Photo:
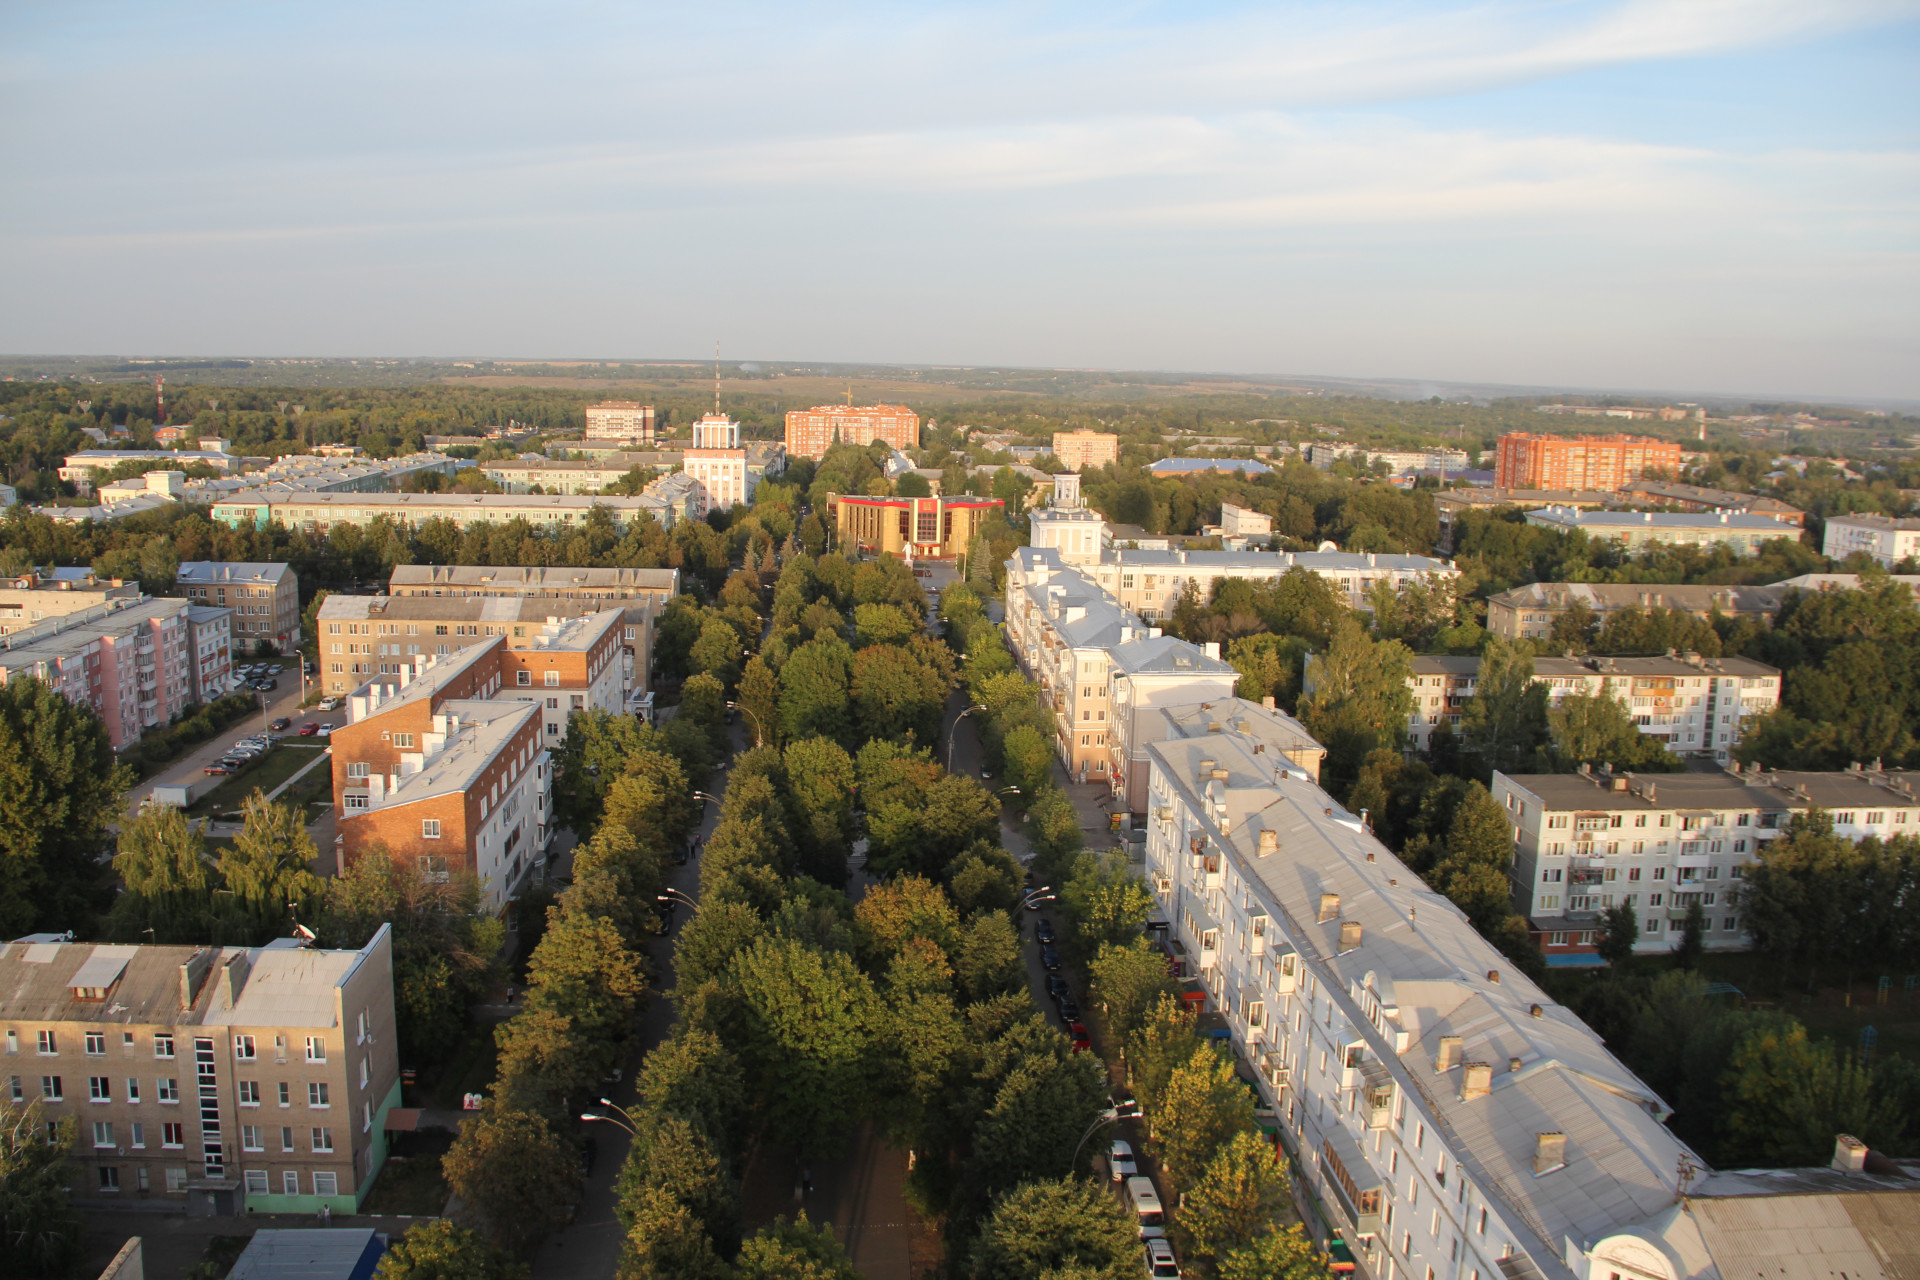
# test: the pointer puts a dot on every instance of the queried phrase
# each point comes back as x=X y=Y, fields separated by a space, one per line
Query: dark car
x=1057 y=987
x=279 y=724
x=589 y=1152
x=266 y=683
x=1069 y=1009
x=1043 y=930
x=1050 y=957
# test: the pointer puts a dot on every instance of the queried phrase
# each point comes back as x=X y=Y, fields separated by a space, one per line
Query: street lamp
x=757 y=739
x=1098 y=1123
x=628 y=1128
x=955 y=726
x=1008 y=791
x=702 y=795
x=674 y=895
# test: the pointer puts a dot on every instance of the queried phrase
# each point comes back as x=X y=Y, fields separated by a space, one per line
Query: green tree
x=1279 y=1255
x=895 y=694
x=63 y=789
x=169 y=878
x=1269 y=667
x=667 y=1241
x=42 y=1233
x=1125 y=981
x=693 y=1075
x=1596 y=729
x=1240 y=1197
x=815 y=698
x=1473 y=869
x=443 y=1250
x=1619 y=930
x=810 y=1021
x=1053 y=830
x=1106 y=902
x=1164 y=1040
x=1505 y=723
x=984 y=878
x=759 y=698
x=1056 y=1228
x=1686 y=953
x=582 y=970
x=987 y=959
x=1202 y=1106
x=515 y=1177
x=673 y=1154
x=793 y=1250
x=596 y=750
x=1360 y=699
x=883 y=624
x=717 y=651
x=1027 y=760
x=1785 y=1096
x=265 y=868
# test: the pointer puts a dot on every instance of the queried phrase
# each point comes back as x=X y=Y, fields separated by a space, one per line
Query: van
x=1145 y=1202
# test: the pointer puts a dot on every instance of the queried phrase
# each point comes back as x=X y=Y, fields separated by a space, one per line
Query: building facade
x=916 y=528
x=1530 y=612
x=620 y=420
x=1693 y=497
x=1694 y=706
x=1063 y=630
x=717 y=465
x=1527 y=460
x=129 y=662
x=210 y=652
x=1447 y=1116
x=264 y=597
x=811 y=432
x=216 y=1080
x=531 y=471
x=38 y=595
x=1637 y=531
x=1150 y=582
x=1665 y=843
x=1083 y=450
x=620 y=588
x=320 y=512
x=1886 y=539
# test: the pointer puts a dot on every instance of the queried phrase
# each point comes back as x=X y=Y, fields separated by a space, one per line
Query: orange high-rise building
x=811 y=432
x=1607 y=463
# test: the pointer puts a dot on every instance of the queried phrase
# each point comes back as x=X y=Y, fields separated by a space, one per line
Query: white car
x=1160 y=1261
x=1120 y=1161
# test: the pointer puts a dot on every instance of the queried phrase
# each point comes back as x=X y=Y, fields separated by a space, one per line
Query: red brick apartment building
x=1526 y=460
x=810 y=432
x=449 y=761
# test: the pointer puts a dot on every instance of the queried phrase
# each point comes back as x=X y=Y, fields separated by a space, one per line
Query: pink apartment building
x=131 y=664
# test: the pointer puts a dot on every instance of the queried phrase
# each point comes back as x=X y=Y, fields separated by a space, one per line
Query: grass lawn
x=409 y=1185
x=264 y=773
x=470 y=1068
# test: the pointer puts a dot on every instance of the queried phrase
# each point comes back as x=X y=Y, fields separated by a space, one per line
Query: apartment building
x=717 y=465
x=446 y=763
x=531 y=471
x=811 y=432
x=1887 y=539
x=1531 y=611
x=620 y=588
x=320 y=512
x=1693 y=705
x=1448 y=1117
x=1062 y=631
x=1082 y=450
x=1844 y=582
x=627 y=420
x=82 y=469
x=1662 y=843
x=264 y=597
x=916 y=528
x=1528 y=460
x=1150 y=582
x=30 y=598
x=1064 y=525
x=1637 y=531
x=209 y=652
x=1186 y=468
x=1243 y=522
x=366 y=638
x=1398 y=462
x=1693 y=497
x=352 y=473
x=216 y=1080
x=129 y=661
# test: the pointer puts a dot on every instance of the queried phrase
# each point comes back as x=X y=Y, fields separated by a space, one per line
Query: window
x=99 y=1089
x=250 y=1138
x=243 y=1049
x=322 y=1139
x=523 y=677
x=249 y=1093
x=48 y=1046
x=359 y=769
x=173 y=1136
x=137 y=1137
x=553 y=679
x=109 y=1177
x=168 y=1090
x=286 y=1137
x=96 y=1044
x=317 y=1094
x=316 y=1049
x=50 y=1089
x=16 y=1089
x=256 y=1182
x=365 y=1073
x=326 y=1184
x=429 y=828
x=286 y=1094
x=403 y=741
x=103 y=1133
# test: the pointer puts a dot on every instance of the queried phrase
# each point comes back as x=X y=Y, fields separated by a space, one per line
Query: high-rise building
x=811 y=432
x=1082 y=449
x=1526 y=460
x=620 y=420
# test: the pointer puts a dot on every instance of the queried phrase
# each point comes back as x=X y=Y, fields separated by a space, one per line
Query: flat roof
x=1772 y=790
x=486 y=727
x=532 y=577
x=1279 y=561
x=226 y=571
x=1703 y=521
x=1609 y=595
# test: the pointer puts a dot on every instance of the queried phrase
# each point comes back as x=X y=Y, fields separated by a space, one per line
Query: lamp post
x=1098 y=1123
x=675 y=895
x=758 y=739
x=955 y=727
x=626 y=1126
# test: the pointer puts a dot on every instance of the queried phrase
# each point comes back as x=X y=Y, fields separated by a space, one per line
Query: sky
x=1711 y=196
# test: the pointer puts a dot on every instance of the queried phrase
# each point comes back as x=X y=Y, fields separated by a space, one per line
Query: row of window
x=245 y=1048
x=257 y=1182
x=167 y=1090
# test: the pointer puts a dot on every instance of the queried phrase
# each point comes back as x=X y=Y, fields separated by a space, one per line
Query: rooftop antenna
x=849 y=395
x=716 y=378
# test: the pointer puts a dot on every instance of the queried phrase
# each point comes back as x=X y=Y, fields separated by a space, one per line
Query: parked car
x=1120 y=1162
x=1147 y=1210
x=589 y=1152
x=1057 y=987
x=278 y=723
x=308 y=729
x=329 y=703
x=1043 y=930
x=215 y=770
x=1160 y=1261
x=1050 y=957
x=1077 y=1032
x=325 y=730
x=1069 y=1009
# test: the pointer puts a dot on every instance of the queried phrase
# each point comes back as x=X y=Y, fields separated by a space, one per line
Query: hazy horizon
x=1621 y=196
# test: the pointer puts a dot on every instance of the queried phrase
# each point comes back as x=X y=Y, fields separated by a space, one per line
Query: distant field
x=810 y=390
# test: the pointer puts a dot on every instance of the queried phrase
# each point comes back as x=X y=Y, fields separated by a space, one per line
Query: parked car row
x=241 y=754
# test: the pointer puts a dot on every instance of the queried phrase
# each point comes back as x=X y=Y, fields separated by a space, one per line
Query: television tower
x=160 y=394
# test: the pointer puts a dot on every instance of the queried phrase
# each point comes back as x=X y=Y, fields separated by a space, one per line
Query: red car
x=219 y=769
x=1081 y=1040
x=308 y=729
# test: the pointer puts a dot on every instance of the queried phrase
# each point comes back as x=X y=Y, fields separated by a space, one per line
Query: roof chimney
x=233 y=979
x=1476 y=1081
x=1549 y=1153
x=1349 y=935
x=1206 y=770
x=1267 y=702
x=1269 y=842
x=1329 y=907
x=1449 y=1054
x=1849 y=1154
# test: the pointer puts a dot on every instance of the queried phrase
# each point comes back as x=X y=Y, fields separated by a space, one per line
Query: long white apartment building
x=320 y=512
x=1693 y=705
x=1451 y=1119
x=1885 y=538
x=1665 y=842
x=1149 y=583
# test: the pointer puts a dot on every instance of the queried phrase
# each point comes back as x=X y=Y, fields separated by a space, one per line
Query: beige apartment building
x=1530 y=612
x=40 y=594
x=212 y=1080
x=1081 y=450
x=620 y=420
x=264 y=597
x=320 y=512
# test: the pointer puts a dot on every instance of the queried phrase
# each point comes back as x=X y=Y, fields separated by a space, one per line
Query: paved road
x=284 y=701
